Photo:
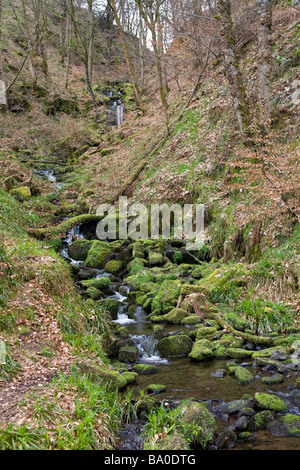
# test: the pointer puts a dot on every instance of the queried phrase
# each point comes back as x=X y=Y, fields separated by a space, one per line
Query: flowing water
x=184 y=378
x=116 y=110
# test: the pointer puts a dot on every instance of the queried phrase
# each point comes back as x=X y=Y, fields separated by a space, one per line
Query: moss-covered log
x=262 y=340
x=64 y=227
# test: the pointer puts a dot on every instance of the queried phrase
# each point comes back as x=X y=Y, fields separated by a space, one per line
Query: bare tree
x=231 y=64
x=131 y=71
x=264 y=56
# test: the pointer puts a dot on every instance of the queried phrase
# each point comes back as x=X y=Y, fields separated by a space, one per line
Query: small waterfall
x=115 y=111
x=147 y=349
x=72 y=233
x=49 y=174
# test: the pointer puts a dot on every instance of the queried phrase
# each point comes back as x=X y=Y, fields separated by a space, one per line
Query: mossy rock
x=98 y=254
x=113 y=266
x=197 y=424
x=190 y=320
x=231 y=341
x=130 y=377
x=138 y=250
x=94 y=293
x=122 y=332
x=238 y=353
x=172 y=442
x=286 y=426
x=270 y=402
x=175 y=346
x=218 y=278
x=158 y=329
x=243 y=376
x=167 y=296
x=145 y=369
x=220 y=352
x=276 y=351
x=197 y=272
x=260 y=420
x=97 y=283
x=156 y=259
x=21 y=194
x=272 y=379
x=188 y=289
x=103 y=374
x=175 y=316
x=204 y=331
x=226 y=439
x=202 y=350
x=55 y=243
x=235 y=406
x=111 y=306
x=129 y=354
x=156 y=388
x=144 y=405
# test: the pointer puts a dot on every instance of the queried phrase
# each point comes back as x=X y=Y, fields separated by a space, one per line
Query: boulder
x=172 y=442
x=176 y=316
x=156 y=388
x=98 y=254
x=272 y=379
x=145 y=369
x=270 y=402
x=243 y=376
x=287 y=425
x=129 y=354
x=202 y=351
x=99 y=373
x=21 y=194
x=175 y=346
x=260 y=420
x=113 y=266
x=78 y=250
x=197 y=424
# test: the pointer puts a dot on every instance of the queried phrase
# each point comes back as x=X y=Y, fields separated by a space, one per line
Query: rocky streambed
x=180 y=351
x=174 y=347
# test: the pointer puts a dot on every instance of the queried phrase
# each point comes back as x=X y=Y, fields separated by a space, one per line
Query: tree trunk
x=264 y=56
x=237 y=90
x=131 y=71
x=91 y=41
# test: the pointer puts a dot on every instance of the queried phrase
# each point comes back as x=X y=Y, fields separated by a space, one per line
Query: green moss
x=176 y=315
x=98 y=373
x=175 y=346
x=130 y=377
x=270 y=402
x=113 y=266
x=204 y=331
x=111 y=306
x=97 y=283
x=94 y=293
x=145 y=369
x=155 y=259
x=243 y=376
x=261 y=420
x=156 y=388
x=202 y=350
x=166 y=298
x=23 y=193
x=237 y=353
x=78 y=250
x=172 y=442
x=197 y=424
x=98 y=254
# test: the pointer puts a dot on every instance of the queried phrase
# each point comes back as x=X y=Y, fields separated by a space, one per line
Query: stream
x=182 y=377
